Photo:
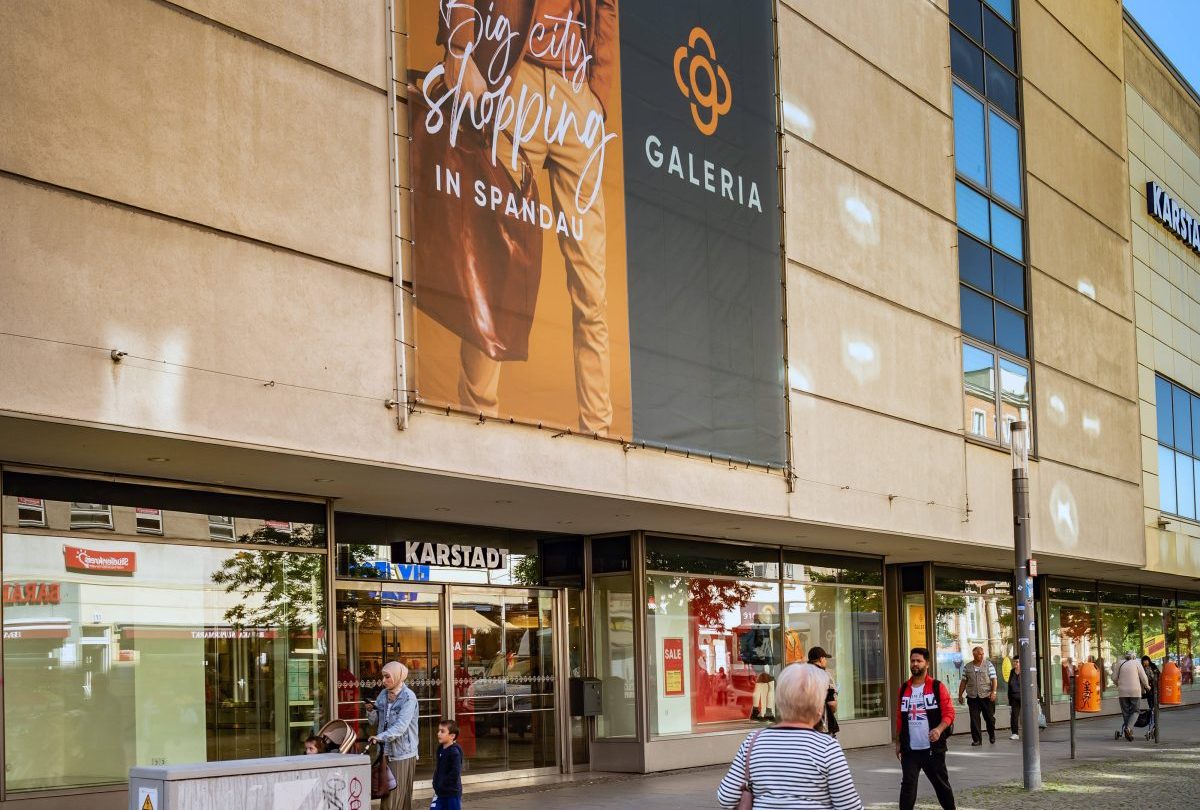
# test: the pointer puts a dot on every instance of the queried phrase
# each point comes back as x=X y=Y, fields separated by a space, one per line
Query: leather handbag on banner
x=477 y=268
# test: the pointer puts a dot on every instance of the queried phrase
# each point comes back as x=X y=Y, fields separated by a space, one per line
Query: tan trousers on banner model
x=401 y=797
x=479 y=380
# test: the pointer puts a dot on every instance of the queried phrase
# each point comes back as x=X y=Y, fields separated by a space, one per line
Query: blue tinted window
x=1195 y=426
x=1002 y=87
x=972 y=208
x=1182 y=406
x=974 y=262
x=1162 y=396
x=1010 y=330
x=965 y=14
x=1186 y=486
x=1168 y=498
x=1010 y=281
x=999 y=39
x=966 y=60
x=1006 y=232
x=1005 y=158
x=970 y=148
x=1003 y=7
x=976 y=315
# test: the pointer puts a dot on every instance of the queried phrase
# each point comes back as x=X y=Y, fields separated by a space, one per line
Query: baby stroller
x=338 y=736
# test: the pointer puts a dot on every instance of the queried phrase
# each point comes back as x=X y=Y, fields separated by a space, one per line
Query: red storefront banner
x=99 y=562
x=672 y=666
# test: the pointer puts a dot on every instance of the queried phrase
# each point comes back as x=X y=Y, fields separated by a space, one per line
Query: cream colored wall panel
x=848 y=461
x=850 y=227
x=1172 y=552
x=1087 y=516
x=852 y=347
x=1068 y=158
x=101 y=275
x=1065 y=70
x=1083 y=426
x=907 y=39
x=1076 y=336
x=141 y=104
x=1096 y=23
x=347 y=35
x=851 y=110
x=1064 y=242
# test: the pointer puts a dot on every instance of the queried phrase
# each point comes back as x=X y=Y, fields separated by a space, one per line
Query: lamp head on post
x=1020 y=447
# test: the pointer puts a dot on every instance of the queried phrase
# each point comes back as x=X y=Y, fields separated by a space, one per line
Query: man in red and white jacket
x=925 y=718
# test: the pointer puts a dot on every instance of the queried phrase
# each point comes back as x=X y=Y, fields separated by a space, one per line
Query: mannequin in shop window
x=757 y=648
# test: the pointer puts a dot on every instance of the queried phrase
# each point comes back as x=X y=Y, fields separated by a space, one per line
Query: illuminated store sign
x=99 y=562
x=1163 y=207
x=447 y=555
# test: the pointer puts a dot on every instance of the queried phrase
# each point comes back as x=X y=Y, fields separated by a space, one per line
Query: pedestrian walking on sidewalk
x=1152 y=675
x=447 y=774
x=792 y=765
x=1014 y=699
x=923 y=723
x=819 y=658
x=979 y=683
x=394 y=716
x=1132 y=684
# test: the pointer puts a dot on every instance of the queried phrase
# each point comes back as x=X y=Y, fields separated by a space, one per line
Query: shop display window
x=1120 y=630
x=615 y=660
x=134 y=649
x=1073 y=640
x=1188 y=639
x=970 y=612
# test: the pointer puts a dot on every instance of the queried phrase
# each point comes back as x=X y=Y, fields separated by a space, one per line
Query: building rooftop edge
x=1162 y=57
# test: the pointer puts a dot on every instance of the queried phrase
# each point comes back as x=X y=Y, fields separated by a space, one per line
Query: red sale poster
x=673 y=666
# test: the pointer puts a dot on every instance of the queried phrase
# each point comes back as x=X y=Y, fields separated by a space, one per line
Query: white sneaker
x=1015 y=737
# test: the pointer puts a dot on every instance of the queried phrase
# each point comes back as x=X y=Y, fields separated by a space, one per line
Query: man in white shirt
x=979 y=683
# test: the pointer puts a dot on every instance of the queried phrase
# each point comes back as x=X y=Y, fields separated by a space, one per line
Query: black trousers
x=987 y=708
x=1014 y=714
x=933 y=763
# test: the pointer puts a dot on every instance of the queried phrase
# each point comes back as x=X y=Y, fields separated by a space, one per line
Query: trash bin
x=280 y=783
x=1087 y=688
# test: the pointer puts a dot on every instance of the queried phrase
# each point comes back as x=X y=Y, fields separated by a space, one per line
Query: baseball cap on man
x=816 y=654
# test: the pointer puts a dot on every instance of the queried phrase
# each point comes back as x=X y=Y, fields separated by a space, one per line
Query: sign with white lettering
x=1166 y=209
x=99 y=562
x=449 y=555
x=596 y=189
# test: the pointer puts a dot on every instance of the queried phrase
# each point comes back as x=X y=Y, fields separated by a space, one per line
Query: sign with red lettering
x=672 y=666
x=31 y=593
x=90 y=561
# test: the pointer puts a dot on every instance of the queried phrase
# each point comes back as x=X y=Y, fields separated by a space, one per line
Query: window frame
x=220 y=524
x=30 y=522
x=145 y=513
x=999 y=354
x=86 y=516
x=1171 y=447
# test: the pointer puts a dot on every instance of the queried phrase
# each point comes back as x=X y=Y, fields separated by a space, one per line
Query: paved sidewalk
x=877 y=774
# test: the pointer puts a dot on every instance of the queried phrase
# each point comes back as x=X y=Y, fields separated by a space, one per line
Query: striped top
x=792 y=768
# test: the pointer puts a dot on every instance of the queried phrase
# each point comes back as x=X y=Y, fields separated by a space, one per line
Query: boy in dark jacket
x=447 y=775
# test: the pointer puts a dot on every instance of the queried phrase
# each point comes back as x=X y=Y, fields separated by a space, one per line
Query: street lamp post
x=1030 y=754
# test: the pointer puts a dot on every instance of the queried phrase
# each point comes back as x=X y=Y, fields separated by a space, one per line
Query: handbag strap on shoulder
x=746 y=764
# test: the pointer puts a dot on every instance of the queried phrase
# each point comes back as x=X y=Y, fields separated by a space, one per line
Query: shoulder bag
x=746 y=802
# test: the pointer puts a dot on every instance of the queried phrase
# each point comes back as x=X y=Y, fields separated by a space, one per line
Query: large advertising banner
x=596 y=218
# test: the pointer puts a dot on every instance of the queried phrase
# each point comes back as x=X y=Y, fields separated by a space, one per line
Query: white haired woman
x=395 y=718
x=792 y=765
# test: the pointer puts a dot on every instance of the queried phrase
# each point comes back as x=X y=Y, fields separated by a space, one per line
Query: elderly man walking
x=979 y=683
x=1132 y=684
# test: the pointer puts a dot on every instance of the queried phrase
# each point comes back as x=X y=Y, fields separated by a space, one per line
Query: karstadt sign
x=449 y=555
x=1166 y=209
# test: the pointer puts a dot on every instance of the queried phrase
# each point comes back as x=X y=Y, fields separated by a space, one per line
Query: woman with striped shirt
x=792 y=765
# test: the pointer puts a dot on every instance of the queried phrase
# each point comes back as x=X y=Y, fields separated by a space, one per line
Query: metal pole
x=1030 y=753
x=1072 y=681
x=1157 y=708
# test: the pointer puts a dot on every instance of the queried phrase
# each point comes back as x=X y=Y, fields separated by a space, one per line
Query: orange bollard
x=1170 y=683
x=1087 y=688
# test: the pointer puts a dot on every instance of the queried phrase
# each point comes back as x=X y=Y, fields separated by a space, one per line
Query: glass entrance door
x=377 y=626
x=505 y=679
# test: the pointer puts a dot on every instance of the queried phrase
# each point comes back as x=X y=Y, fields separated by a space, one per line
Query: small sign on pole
x=1032 y=566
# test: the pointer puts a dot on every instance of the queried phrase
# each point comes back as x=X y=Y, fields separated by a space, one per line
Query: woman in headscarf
x=394 y=716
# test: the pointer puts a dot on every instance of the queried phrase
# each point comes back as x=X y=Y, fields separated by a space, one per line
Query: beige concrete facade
x=204 y=185
x=1163 y=121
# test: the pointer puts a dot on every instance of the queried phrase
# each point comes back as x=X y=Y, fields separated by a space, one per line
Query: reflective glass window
x=716 y=559
x=1010 y=330
x=1074 y=639
x=1003 y=7
x=1005 y=159
x=966 y=60
x=1010 y=281
x=1182 y=409
x=1195 y=407
x=974 y=263
x=999 y=39
x=977 y=315
x=1166 y=424
x=1007 y=232
x=979 y=391
x=1001 y=86
x=1167 y=494
x=972 y=208
x=970 y=148
x=1014 y=392
x=1186 y=485
x=965 y=14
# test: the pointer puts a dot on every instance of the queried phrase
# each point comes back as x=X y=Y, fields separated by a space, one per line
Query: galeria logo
x=716 y=96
